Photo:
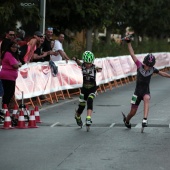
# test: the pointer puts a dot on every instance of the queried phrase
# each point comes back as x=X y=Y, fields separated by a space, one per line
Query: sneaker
x=144 y=123
x=78 y=120
x=88 y=121
x=128 y=125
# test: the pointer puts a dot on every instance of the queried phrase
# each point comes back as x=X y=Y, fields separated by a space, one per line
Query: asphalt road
x=59 y=144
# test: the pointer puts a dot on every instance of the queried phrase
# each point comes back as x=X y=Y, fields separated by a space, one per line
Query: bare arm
x=131 y=51
x=64 y=55
x=77 y=61
x=32 y=43
x=98 y=69
x=36 y=56
x=16 y=66
x=164 y=74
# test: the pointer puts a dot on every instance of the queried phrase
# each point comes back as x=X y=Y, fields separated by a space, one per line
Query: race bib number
x=134 y=98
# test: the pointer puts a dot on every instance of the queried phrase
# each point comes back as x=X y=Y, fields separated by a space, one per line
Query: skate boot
x=144 y=123
x=128 y=125
x=78 y=120
x=88 y=123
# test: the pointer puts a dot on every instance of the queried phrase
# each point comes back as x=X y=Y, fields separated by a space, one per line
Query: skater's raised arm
x=131 y=51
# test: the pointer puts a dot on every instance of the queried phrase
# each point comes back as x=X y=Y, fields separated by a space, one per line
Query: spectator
x=32 y=46
x=58 y=47
x=21 y=33
x=47 y=43
x=1 y=95
x=9 y=36
x=39 y=55
x=9 y=71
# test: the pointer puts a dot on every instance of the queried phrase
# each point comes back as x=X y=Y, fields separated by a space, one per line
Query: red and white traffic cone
x=32 y=121
x=21 y=121
x=37 y=115
x=7 y=122
x=5 y=108
x=15 y=112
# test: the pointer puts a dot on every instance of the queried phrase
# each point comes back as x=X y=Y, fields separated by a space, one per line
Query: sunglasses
x=14 y=46
x=50 y=28
x=12 y=34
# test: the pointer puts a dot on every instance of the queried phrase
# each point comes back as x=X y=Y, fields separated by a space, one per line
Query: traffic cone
x=32 y=121
x=7 y=122
x=15 y=112
x=21 y=121
x=5 y=108
x=37 y=115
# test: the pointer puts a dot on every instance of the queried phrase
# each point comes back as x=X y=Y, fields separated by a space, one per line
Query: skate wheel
x=142 y=129
x=88 y=128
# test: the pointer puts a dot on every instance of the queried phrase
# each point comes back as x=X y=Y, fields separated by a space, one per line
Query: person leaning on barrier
x=46 y=46
x=32 y=46
x=39 y=54
x=58 y=47
x=142 y=91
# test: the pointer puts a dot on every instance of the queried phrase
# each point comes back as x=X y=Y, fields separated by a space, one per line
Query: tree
x=77 y=15
x=13 y=11
x=148 y=18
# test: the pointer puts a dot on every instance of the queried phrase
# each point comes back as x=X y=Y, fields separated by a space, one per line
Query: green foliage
x=150 y=18
x=113 y=50
x=12 y=11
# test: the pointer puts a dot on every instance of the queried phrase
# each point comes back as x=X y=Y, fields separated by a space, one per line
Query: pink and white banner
x=35 y=79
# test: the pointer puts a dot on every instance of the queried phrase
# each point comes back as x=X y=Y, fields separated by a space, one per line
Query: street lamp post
x=42 y=15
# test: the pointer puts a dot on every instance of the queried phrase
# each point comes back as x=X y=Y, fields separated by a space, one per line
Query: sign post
x=42 y=15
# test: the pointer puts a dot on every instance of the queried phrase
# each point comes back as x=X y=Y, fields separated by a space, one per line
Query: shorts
x=86 y=92
x=136 y=99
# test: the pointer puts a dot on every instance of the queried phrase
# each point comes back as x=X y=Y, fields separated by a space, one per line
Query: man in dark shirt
x=9 y=36
x=47 y=43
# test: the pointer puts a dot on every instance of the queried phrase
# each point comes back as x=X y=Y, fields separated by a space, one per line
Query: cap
x=38 y=33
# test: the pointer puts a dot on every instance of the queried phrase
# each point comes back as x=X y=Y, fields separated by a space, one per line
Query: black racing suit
x=88 y=90
x=143 y=81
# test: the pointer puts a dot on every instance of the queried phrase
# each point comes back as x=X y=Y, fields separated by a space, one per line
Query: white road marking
x=54 y=124
x=112 y=125
x=139 y=125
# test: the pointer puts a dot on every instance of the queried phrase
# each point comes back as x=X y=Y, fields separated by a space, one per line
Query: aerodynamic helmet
x=88 y=57
x=149 y=60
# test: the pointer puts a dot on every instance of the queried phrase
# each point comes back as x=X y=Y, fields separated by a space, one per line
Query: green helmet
x=88 y=57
